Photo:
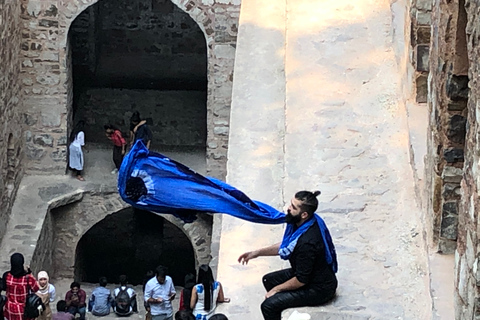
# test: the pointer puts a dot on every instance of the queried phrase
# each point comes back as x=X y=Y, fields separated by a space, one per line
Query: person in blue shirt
x=101 y=300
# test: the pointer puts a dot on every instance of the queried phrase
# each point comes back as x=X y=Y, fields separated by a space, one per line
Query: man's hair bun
x=316 y=193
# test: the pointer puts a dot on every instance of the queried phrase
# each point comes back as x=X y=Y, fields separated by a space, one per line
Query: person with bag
x=125 y=298
x=46 y=293
x=20 y=287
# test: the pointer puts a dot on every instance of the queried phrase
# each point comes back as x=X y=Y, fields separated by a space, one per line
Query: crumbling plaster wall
x=47 y=81
x=11 y=102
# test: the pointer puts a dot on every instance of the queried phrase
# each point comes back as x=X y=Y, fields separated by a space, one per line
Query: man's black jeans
x=272 y=307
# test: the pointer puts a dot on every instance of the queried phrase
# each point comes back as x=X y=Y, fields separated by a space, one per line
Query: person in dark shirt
x=75 y=299
x=311 y=280
x=139 y=130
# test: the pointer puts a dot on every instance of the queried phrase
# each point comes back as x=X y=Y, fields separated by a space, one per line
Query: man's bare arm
x=267 y=251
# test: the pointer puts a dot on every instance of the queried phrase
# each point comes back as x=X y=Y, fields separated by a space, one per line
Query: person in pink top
x=119 y=145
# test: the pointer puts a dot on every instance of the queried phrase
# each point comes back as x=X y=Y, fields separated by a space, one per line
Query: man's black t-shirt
x=309 y=263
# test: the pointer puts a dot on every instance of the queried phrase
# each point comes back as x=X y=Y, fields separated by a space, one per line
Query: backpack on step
x=123 y=301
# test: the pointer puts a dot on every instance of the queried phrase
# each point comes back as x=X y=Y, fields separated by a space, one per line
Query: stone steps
x=343 y=130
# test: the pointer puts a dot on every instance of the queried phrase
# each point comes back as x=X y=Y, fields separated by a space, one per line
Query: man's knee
x=271 y=308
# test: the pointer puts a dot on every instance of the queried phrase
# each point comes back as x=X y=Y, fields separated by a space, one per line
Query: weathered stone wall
x=178 y=118
x=138 y=44
x=46 y=76
x=11 y=102
x=420 y=15
x=467 y=273
x=448 y=90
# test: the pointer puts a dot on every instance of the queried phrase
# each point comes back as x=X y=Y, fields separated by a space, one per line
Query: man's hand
x=247 y=256
x=270 y=293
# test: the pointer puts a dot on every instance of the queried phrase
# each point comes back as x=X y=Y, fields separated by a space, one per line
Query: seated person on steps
x=124 y=298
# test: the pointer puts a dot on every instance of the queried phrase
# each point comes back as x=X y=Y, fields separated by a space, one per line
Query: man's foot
x=114 y=171
x=80 y=178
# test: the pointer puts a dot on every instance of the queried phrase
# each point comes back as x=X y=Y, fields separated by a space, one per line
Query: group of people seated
x=123 y=300
x=198 y=300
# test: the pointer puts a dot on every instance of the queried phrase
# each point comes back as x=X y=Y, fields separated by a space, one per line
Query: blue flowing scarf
x=291 y=236
x=153 y=182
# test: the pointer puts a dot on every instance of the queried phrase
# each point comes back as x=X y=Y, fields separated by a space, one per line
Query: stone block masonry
x=448 y=97
x=48 y=87
x=11 y=104
x=178 y=118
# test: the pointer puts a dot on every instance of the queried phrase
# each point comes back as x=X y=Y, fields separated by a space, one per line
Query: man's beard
x=291 y=219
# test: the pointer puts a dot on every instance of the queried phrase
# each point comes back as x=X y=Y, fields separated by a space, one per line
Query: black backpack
x=123 y=301
x=33 y=306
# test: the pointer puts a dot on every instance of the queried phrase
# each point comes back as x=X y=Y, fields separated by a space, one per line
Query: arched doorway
x=142 y=55
x=132 y=242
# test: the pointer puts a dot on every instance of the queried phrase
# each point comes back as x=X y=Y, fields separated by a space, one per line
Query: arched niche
x=131 y=243
x=73 y=222
x=146 y=56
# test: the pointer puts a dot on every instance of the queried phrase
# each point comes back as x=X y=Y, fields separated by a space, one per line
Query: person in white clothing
x=205 y=294
x=125 y=298
x=159 y=293
x=77 y=141
x=46 y=292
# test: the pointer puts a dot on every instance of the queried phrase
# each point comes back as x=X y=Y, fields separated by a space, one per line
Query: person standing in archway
x=77 y=141
x=159 y=293
x=119 y=145
x=139 y=130
x=311 y=280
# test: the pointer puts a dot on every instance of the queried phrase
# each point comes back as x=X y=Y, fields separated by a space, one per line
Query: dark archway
x=132 y=242
x=140 y=55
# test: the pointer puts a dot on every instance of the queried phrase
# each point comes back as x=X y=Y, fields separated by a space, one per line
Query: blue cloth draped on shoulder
x=150 y=181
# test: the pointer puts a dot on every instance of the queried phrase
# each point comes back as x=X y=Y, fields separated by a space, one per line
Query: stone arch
x=73 y=221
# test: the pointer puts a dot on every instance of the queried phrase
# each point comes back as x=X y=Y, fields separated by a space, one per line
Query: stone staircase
x=317 y=104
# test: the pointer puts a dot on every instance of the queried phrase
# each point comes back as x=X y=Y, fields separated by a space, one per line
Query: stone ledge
x=66 y=199
x=317 y=313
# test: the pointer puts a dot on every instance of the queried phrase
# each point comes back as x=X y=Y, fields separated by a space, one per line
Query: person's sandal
x=80 y=178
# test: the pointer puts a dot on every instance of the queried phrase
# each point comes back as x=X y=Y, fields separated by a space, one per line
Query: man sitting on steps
x=307 y=244
x=125 y=298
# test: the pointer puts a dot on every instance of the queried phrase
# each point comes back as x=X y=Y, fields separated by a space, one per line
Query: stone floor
x=318 y=86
